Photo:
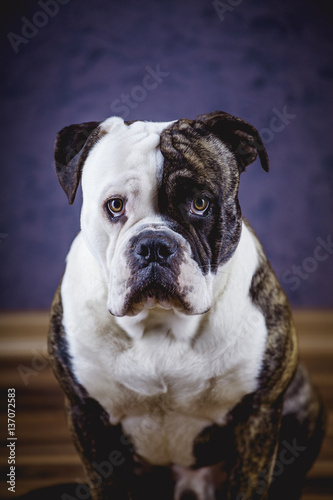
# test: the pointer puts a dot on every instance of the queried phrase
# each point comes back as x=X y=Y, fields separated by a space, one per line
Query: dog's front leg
x=256 y=441
x=103 y=448
x=105 y=452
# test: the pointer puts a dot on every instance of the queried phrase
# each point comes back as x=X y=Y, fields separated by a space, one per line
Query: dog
x=170 y=335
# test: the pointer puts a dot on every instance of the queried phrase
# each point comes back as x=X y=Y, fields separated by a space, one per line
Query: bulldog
x=170 y=334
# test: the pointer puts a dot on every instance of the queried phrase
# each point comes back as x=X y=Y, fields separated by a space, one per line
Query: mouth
x=152 y=288
x=153 y=297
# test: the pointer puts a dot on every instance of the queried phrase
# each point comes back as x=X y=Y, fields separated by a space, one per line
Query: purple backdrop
x=69 y=61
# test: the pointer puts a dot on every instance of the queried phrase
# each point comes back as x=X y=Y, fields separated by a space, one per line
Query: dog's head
x=160 y=206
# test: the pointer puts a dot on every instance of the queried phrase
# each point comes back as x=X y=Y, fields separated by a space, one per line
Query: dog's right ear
x=71 y=149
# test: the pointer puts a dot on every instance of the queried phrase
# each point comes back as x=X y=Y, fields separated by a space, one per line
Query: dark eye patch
x=196 y=163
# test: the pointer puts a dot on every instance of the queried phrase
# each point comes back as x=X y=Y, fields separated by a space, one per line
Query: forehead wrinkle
x=127 y=183
x=143 y=147
x=126 y=153
x=126 y=149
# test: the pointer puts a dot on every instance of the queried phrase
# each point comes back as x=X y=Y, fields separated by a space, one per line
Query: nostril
x=144 y=251
x=164 y=251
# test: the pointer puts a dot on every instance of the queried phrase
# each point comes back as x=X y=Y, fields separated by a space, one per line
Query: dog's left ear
x=242 y=138
x=71 y=149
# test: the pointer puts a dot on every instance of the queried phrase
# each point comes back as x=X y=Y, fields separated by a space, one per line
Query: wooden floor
x=44 y=452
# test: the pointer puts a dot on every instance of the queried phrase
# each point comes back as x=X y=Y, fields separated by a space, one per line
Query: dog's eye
x=200 y=204
x=116 y=207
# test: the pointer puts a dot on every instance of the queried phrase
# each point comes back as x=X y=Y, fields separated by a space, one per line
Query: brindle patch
x=281 y=353
x=196 y=161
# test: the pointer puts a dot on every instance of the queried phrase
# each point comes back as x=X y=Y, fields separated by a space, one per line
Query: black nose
x=155 y=247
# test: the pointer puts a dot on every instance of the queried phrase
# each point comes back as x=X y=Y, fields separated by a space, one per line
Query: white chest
x=165 y=391
x=164 y=376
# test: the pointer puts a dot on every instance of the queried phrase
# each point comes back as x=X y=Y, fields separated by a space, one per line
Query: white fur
x=163 y=374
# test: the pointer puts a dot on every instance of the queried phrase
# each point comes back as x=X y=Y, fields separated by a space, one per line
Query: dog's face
x=160 y=208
